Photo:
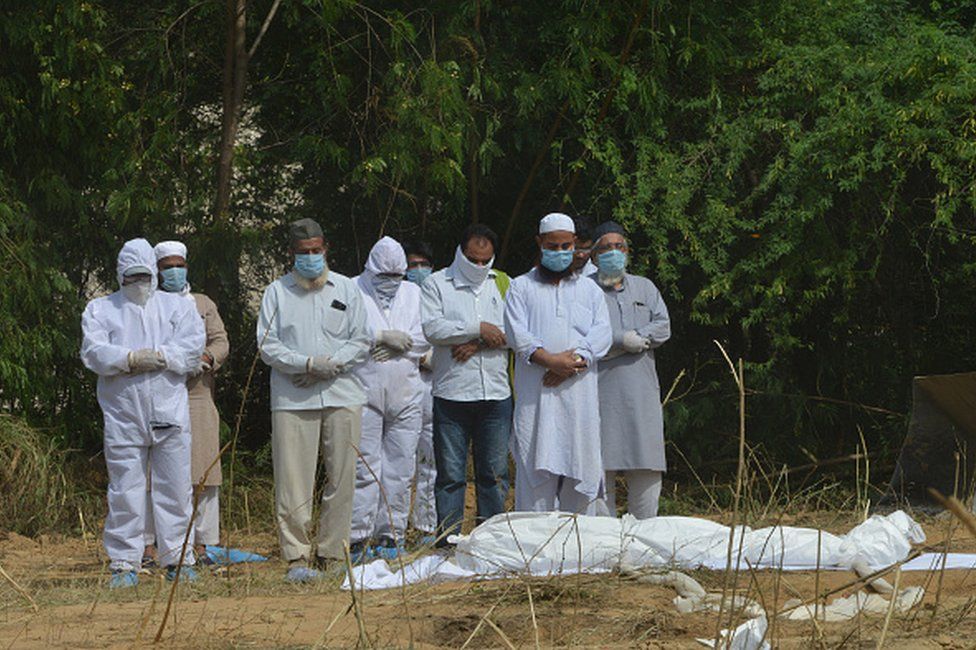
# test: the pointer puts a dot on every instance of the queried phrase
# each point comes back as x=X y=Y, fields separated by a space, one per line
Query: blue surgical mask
x=174 y=278
x=418 y=274
x=310 y=265
x=557 y=261
x=612 y=261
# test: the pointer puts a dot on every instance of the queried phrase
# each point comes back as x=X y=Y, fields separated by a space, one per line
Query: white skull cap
x=170 y=248
x=556 y=221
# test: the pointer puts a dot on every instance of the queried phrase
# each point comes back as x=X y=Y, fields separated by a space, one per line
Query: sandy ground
x=250 y=606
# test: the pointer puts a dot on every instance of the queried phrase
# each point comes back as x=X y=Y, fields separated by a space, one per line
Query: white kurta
x=557 y=430
x=144 y=411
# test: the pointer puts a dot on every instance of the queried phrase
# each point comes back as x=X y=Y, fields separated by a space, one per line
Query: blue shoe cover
x=302 y=575
x=123 y=579
x=223 y=556
x=388 y=550
x=187 y=574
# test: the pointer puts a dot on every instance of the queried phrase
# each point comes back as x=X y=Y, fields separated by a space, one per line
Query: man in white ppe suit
x=557 y=323
x=142 y=344
x=392 y=418
x=312 y=331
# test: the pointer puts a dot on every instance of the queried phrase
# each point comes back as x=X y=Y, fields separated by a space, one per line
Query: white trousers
x=552 y=494
x=384 y=472
x=206 y=525
x=423 y=515
x=643 y=493
x=128 y=461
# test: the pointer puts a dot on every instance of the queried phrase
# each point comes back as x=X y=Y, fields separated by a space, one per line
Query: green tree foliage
x=797 y=178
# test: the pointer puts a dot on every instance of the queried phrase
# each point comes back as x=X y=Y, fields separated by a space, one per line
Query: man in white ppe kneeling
x=142 y=344
x=392 y=418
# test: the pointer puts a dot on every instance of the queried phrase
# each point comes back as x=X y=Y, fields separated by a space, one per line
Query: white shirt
x=452 y=311
x=296 y=324
x=557 y=430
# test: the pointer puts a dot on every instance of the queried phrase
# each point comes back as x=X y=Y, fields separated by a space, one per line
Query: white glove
x=145 y=360
x=323 y=367
x=633 y=342
x=381 y=353
x=396 y=340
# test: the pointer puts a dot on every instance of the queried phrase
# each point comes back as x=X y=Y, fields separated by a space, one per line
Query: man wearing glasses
x=631 y=423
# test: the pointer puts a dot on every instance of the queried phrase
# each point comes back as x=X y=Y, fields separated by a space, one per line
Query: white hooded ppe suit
x=144 y=412
x=394 y=394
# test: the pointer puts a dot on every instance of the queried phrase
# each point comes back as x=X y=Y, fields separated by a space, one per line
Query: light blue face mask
x=174 y=278
x=310 y=265
x=418 y=274
x=557 y=261
x=612 y=262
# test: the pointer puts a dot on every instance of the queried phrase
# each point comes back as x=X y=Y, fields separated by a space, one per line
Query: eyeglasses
x=619 y=245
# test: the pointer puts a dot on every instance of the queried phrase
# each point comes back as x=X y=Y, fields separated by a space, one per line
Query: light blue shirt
x=452 y=312
x=296 y=324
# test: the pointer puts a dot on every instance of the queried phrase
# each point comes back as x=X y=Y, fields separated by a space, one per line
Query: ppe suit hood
x=137 y=252
x=387 y=256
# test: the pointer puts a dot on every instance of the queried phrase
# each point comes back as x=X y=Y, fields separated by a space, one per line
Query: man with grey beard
x=631 y=422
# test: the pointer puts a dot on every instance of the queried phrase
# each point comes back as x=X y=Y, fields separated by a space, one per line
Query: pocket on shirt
x=642 y=315
x=334 y=321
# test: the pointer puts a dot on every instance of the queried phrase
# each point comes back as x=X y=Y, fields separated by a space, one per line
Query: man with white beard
x=631 y=422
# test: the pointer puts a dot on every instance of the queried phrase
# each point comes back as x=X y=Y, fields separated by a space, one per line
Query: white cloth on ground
x=557 y=430
x=148 y=410
x=552 y=543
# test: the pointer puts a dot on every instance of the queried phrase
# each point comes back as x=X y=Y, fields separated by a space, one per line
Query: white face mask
x=138 y=292
x=472 y=272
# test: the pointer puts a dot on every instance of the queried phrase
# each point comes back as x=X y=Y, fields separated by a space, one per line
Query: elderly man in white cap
x=204 y=419
x=142 y=344
x=392 y=418
x=312 y=331
x=557 y=323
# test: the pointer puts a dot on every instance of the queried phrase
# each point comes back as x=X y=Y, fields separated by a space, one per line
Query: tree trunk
x=235 y=70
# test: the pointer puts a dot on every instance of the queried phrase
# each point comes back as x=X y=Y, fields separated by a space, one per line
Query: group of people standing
x=393 y=378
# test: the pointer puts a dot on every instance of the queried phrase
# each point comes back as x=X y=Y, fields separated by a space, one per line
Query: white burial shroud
x=545 y=544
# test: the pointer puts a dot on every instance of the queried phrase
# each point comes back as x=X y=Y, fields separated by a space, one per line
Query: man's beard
x=609 y=280
x=548 y=275
x=314 y=283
